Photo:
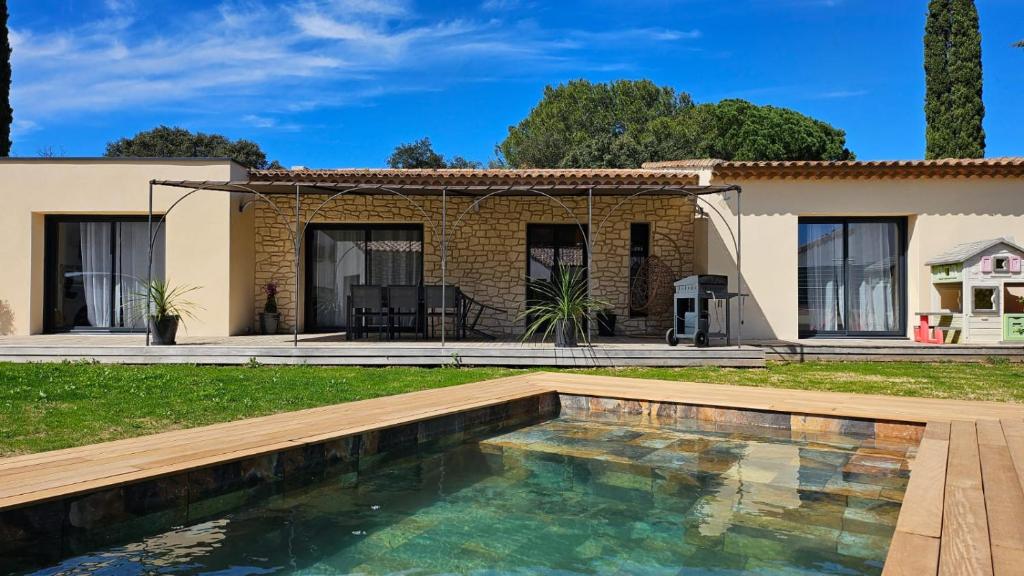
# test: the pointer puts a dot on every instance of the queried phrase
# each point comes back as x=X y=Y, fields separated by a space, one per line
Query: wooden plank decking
x=963 y=512
x=333 y=349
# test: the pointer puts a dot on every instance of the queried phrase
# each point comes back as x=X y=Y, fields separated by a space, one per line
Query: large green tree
x=173 y=142
x=421 y=154
x=953 y=107
x=625 y=123
x=6 y=113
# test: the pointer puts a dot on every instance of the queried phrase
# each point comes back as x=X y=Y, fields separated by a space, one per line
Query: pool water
x=564 y=497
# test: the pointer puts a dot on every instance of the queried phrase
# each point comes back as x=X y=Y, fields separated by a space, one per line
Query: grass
x=51 y=406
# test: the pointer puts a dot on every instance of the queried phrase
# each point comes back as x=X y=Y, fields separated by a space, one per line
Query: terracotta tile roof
x=602 y=177
x=810 y=169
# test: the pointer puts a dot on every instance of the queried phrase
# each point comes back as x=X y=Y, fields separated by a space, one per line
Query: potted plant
x=270 y=318
x=562 y=306
x=167 y=309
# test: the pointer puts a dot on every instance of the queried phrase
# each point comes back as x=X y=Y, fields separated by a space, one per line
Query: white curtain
x=340 y=262
x=820 y=260
x=97 y=265
x=874 y=270
x=395 y=257
x=131 y=271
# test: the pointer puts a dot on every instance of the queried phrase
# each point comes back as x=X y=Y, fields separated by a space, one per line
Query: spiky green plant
x=165 y=301
x=562 y=300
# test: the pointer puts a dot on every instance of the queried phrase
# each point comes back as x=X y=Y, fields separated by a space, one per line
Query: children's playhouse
x=977 y=294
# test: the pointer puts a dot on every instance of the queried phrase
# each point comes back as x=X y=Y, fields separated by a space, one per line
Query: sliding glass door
x=96 y=268
x=552 y=249
x=339 y=256
x=852 y=277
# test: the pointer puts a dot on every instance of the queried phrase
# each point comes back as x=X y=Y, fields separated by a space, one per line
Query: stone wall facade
x=487 y=248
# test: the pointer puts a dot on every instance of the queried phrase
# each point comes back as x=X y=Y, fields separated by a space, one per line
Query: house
x=826 y=249
x=842 y=249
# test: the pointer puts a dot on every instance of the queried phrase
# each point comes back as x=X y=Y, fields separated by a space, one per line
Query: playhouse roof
x=961 y=252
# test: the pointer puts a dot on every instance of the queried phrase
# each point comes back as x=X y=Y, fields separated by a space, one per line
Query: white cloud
x=499 y=5
x=262 y=60
x=22 y=127
x=839 y=94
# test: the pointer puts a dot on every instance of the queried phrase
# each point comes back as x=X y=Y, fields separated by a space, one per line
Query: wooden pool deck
x=963 y=511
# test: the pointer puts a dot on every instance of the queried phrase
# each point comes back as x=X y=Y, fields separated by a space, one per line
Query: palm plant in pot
x=167 y=308
x=561 y=305
x=270 y=318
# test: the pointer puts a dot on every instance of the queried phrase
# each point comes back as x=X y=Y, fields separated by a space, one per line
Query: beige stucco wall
x=941 y=213
x=208 y=241
x=487 y=251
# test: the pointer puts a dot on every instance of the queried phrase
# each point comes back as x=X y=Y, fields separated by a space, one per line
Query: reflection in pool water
x=565 y=497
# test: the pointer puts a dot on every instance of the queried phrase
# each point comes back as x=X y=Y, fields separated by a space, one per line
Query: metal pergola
x=266 y=189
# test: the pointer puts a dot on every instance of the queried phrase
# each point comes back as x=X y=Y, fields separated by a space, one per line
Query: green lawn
x=50 y=406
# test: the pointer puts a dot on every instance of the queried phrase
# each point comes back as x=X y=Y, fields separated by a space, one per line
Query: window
x=96 y=269
x=339 y=256
x=551 y=248
x=1001 y=264
x=639 y=251
x=985 y=299
x=852 y=276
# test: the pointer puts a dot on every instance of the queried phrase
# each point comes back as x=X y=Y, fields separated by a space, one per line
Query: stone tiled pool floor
x=566 y=497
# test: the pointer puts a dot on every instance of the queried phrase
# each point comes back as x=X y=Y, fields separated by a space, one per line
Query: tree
x=954 y=109
x=6 y=112
x=421 y=154
x=173 y=142
x=626 y=123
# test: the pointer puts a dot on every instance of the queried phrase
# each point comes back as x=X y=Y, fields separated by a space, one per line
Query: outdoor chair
x=367 y=310
x=471 y=311
x=403 y=309
x=433 y=306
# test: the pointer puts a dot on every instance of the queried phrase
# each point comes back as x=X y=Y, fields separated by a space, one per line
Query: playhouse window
x=985 y=299
x=1001 y=264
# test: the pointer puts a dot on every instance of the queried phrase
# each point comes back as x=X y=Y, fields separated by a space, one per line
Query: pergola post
x=739 y=266
x=589 y=242
x=297 y=245
x=444 y=260
x=149 y=263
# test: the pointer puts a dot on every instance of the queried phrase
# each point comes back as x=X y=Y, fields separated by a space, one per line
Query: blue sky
x=333 y=83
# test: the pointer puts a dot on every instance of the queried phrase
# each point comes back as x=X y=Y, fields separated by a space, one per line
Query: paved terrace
x=963 y=512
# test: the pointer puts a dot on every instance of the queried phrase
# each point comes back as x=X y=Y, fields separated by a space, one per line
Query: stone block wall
x=487 y=247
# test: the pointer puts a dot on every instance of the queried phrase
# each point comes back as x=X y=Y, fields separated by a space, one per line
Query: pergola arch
x=360 y=181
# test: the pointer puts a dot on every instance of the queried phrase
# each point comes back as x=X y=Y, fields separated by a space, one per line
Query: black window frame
x=557 y=229
x=638 y=230
x=50 y=224
x=901 y=224
x=309 y=298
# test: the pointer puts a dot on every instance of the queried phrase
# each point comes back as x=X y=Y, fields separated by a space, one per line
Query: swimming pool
x=618 y=494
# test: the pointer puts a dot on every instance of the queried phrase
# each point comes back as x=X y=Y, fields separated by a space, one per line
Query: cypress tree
x=6 y=113
x=954 y=109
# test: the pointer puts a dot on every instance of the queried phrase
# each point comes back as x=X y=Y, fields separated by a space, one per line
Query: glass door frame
x=901 y=234
x=309 y=261
x=50 y=237
x=555 y=226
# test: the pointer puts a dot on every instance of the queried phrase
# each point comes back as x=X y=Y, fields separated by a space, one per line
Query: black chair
x=433 y=307
x=367 y=310
x=471 y=312
x=403 y=309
